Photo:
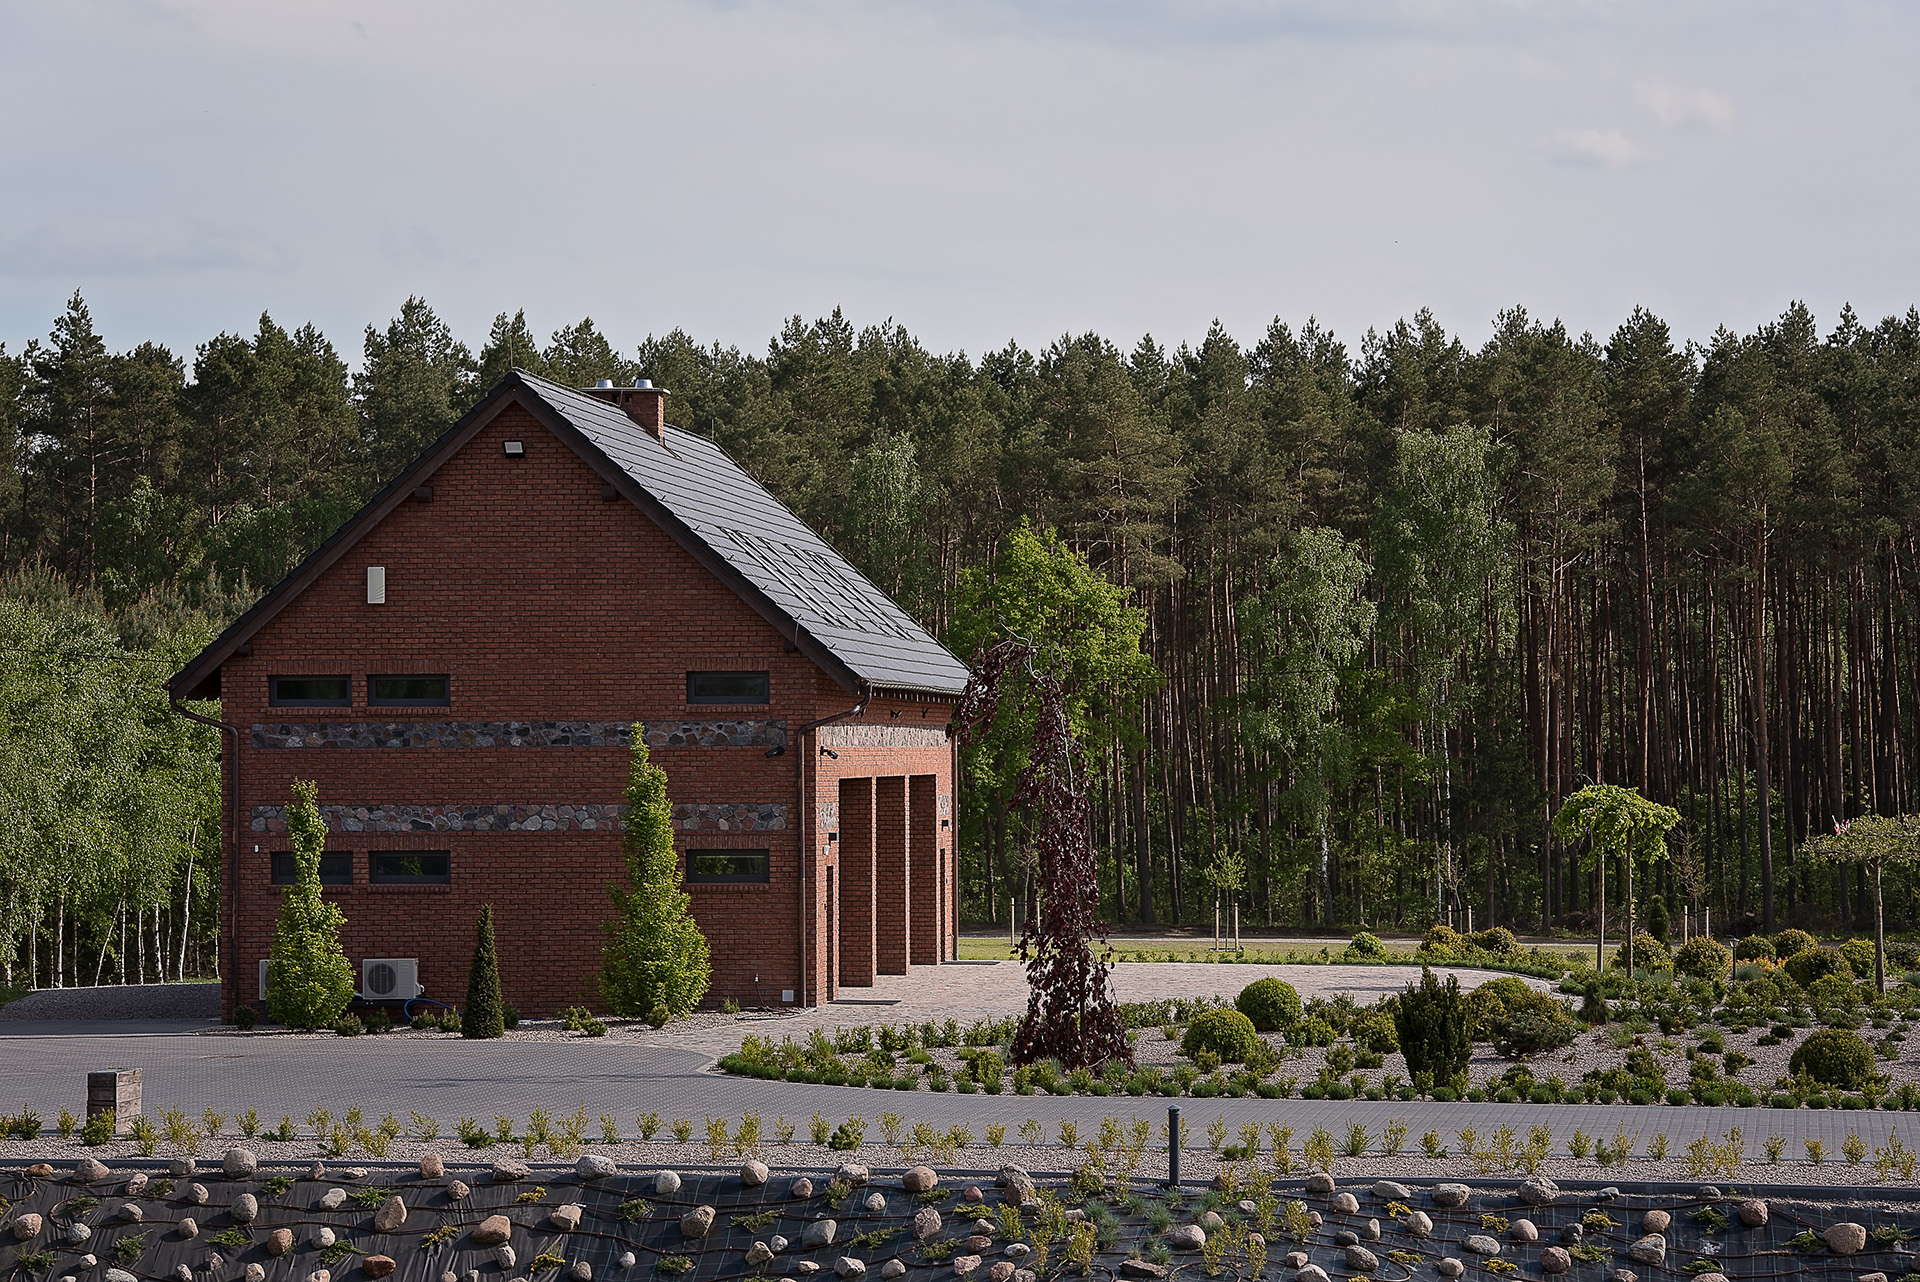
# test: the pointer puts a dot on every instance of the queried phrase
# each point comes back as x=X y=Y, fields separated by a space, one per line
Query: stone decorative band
x=845 y=736
x=515 y=734
x=564 y=817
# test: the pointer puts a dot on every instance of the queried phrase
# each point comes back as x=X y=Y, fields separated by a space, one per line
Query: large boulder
x=1538 y=1190
x=1319 y=1182
x=1651 y=1249
x=279 y=1242
x=918 y=1179
x=566 y=1218
x=926 y=1223
x=1419 y=1224
x=89 y=1170
x=432 y=1166
x=1448 y=1267
x=492 y=1231
x=239 y=1163
x=391 y=1215
x=1187 y=1237
x=800 y=1188
x=1391 y=1191
x=378 y=1266
x=753 y=1173
x=1753 y=1213
x=1656 y=1221
x=596 y=1166
x=245 y=1209
x=1524 y=1232
x=331 y=1200
x=849 y=1268
x=1448 y=1194
x=1481 y=1244
x=1555 y=1259
x=818 y=1234
x=853 y=1175
x=26 y=1227
x=1360 y=1259
x=1846 y=1238
x=696 y=1223
x=666 y=1183
x=1345 y=1204
x=509 y=1170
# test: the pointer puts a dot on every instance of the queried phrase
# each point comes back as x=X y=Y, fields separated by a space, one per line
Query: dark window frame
x=763 y=678
x=760 y=878
x=278 y=858
x=375 y=701
x=377 y=878
x=274 y=699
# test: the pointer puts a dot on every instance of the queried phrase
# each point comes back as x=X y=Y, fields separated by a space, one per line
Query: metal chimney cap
x=643 y=383
x=605 y=382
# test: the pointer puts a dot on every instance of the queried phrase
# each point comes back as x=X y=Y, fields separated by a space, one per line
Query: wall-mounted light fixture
x=829 y=752
x=946 y=823
x=832 y=837
x=778 y=749
x=514 y=449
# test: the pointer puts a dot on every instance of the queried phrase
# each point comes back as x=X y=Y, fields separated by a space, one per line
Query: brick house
x=460 y=667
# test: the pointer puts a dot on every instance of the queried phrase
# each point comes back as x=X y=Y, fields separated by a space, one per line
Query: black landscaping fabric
x=1706 y=1232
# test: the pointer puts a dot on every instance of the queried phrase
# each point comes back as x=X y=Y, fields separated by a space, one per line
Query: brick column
x=891 y=875
x=857 y=940
x=923 y=862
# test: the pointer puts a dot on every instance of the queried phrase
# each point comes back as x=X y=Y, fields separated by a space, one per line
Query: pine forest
x=1345 y=623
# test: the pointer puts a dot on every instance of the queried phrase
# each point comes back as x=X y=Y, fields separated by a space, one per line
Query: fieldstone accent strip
x=517 y=734
x=693 y=816
x=883 y=736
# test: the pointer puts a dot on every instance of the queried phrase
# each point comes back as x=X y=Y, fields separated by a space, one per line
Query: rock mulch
x=845 y=1218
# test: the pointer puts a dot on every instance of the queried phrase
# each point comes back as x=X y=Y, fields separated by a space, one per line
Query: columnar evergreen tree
x=655 y=963
x=309 y=979
x=485 y=1016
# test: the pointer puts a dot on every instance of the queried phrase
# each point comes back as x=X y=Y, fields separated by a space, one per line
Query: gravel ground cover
x=117 y=1002
x=245 y=1216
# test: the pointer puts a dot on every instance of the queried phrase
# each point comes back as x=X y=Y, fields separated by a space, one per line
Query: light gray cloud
x=980 y=170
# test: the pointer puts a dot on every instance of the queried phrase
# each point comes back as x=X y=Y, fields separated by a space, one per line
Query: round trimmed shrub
x=1312 y=1031
x=1366 y=945
x=1703 y=958
x=1859 y=955
x=1812 y=963
x=1272 y=1004
x=1648 y=954
x=1834 y=1057
x=1373 y=1030
x=1489 y=1001
x=1442 y=941
x=1497 y=940
x=1754 y=948
x=1788 y=942
x=1833 y=990
x=1227 y=1033
x=1532 y=1025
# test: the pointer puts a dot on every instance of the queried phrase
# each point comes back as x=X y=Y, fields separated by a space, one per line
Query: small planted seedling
x=635 y=1210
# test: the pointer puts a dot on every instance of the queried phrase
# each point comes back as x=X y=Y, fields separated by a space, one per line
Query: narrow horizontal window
x=410 y=868
x=727 y=687
x=310 y=692
x=727 y=865
x=336 y=868
x=407 y=689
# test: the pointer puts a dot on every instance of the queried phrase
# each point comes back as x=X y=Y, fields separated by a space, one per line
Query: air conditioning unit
x=263 y=979
x=390 y=979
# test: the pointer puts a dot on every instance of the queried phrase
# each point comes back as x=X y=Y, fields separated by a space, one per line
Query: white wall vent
x=376 y=585
x=390 y=979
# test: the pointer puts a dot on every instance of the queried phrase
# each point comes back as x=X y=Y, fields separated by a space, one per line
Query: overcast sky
x=978 y=171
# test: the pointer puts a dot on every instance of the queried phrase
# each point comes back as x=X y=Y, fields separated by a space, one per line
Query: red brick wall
x=893 y=891
x=543 y=602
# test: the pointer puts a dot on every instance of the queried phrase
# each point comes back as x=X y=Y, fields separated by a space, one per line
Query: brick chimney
x=644 y=403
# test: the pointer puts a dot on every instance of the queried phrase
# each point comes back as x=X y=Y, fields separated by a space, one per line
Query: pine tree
x=309 y=980
x=484 y=1016
x=655 y=964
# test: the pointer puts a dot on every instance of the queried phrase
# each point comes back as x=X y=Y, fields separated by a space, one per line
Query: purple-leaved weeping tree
x=1071 y=1015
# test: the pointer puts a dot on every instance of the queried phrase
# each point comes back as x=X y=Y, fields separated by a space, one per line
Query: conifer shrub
x=1367 y=946
x=1703 y=958
x=1810 y=964
x=1648 y=954
x=1859 y=955
x=485 y=1015
x=1833 y=990
x=1497 y=940
x=1532 y=1025
x=1488 y=1001
x=309 y=980
x=1834 y=1057
x=1753 y=948
x=1272 y=1004
x=1432 y=1023
x=1788 y=942
x=1442 y=941
x=655 y=964
x=1659 y=920
x=1226 y=1033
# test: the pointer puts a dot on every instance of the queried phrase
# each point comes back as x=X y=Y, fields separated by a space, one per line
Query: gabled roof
x=709 y=505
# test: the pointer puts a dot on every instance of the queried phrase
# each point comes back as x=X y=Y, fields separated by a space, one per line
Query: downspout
x=805 y=820
x=950 y=926
x=230 y=960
